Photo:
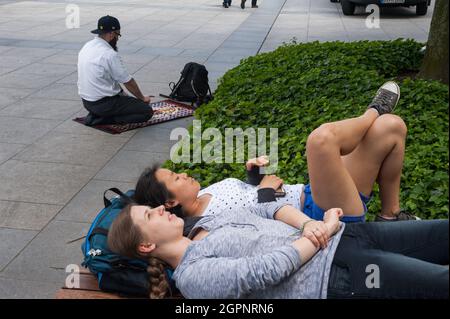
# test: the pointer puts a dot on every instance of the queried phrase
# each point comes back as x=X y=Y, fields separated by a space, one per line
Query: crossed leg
x=349 y=156
x=379 y=158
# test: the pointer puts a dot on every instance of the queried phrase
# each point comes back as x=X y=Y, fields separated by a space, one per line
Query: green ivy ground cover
x=300 y=86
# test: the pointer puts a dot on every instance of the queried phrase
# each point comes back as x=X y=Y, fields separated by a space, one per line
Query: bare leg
x=331 y=183
x=379 y=157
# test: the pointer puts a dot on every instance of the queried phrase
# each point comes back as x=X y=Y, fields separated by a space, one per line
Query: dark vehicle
x=348 y=6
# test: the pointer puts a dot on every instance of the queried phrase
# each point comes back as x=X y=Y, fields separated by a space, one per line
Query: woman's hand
x=331 y=220
x=317 y=232
x=271 y=181
x=259 y=162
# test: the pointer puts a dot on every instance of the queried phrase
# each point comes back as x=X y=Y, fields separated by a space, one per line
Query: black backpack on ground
x=192 y=86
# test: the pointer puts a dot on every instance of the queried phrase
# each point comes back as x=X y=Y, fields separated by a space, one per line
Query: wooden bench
x=88 y=289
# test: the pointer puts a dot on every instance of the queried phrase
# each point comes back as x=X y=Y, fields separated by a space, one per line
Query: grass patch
x=300 y=86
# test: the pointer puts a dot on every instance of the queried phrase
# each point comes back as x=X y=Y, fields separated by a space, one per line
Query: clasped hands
x=320 y=232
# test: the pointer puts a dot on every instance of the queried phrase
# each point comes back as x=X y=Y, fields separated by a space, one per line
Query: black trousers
x=406 y=259
x=229 y=2
x=117 y=109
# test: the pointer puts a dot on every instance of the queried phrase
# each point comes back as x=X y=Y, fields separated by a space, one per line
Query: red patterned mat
x=163 y=111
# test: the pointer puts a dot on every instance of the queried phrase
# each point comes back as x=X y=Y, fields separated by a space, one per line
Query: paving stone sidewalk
x=53 y=171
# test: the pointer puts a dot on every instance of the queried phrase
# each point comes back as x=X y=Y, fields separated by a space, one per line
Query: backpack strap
x=98 y=230
x=123 y=196
x=193 y=89
x=175 y=87
x=209 y=89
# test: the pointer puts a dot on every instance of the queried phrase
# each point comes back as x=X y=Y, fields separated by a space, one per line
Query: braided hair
x=159 y=285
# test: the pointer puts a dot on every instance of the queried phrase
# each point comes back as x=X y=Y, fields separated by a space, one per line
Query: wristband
x=302 y=228
x=266 y=195
x=254 y=177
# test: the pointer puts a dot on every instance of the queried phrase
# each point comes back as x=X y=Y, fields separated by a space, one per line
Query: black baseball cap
x=107 y=24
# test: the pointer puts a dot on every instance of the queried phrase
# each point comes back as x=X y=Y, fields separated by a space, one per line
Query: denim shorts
x=315 y=212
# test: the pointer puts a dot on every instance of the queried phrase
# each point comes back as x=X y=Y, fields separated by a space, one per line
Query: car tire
x=348 y=7
x=422 y=8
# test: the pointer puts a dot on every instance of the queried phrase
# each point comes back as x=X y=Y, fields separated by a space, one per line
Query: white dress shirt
x=100 y=70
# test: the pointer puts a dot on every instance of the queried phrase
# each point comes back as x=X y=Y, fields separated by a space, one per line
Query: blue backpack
x=115 y=273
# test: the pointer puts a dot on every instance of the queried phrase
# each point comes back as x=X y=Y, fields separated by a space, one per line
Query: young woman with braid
x=248 y=254
x=254 y=252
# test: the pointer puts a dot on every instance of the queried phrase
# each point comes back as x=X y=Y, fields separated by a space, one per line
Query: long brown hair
x=124 y=237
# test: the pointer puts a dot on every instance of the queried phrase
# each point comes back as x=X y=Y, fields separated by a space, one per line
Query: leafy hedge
x=300 y=86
